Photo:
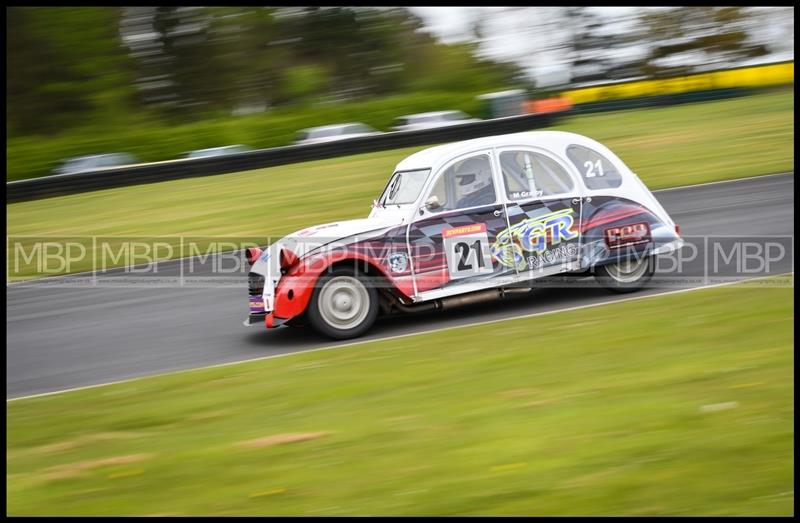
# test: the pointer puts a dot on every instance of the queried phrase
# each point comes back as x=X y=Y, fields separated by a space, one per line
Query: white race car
x=434 y=120
x=334 y=133
x=466 y=222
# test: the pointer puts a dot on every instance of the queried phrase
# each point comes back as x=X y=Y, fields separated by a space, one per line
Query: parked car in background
x=502 y=104
x=93 y=162
x=330 y=133
x=415 y=122
x=218 y=151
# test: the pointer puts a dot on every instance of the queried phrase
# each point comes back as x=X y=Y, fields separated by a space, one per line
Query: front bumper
x=266 y=318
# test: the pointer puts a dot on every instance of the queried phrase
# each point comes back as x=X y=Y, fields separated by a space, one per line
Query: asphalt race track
x=61 y=336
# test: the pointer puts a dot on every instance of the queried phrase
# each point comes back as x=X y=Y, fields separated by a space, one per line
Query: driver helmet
x=473 y=175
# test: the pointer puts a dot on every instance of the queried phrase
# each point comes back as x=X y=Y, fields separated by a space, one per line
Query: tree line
x=71 y=67
x=110 y=66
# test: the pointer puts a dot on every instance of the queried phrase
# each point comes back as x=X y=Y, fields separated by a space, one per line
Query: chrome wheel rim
x=344 y=302
x=628 y=271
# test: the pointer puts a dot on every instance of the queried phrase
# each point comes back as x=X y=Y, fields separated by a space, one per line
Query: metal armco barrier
x=57 y=185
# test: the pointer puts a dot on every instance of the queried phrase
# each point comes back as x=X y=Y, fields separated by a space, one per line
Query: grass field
x=686 y=410
x=667 y=147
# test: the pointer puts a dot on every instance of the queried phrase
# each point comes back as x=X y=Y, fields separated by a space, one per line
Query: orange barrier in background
x=547 y=105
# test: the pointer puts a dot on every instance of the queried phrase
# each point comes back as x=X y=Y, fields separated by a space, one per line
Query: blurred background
x=102 y=86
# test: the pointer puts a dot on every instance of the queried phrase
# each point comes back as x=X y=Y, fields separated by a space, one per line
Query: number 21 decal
x=467 y=251
x=464 y=249
x=591 y=166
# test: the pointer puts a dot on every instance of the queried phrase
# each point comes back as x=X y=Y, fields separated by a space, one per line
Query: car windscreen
x=431 y=118
x=404 y=187
x=199 y=154
x=356 y=129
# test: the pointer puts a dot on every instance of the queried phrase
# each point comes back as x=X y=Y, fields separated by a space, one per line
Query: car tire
x=343 y=305
x=626 y=275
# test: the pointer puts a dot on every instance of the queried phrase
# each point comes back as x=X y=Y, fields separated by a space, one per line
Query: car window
x=357 y=128
x=102 y=161
x=404 y=187
x=73 y=165
x=325 y=131
x=596 y=171
x=466 y=183
x=532 y=175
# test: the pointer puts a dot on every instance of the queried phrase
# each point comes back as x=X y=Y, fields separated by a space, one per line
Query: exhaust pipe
x=458 y=301
x=470 y=299
x=481 y=296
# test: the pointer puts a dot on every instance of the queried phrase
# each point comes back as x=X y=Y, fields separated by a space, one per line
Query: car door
x=451 y=237
x=544 y=207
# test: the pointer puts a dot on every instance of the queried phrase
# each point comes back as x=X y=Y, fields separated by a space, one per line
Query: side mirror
x=433 y=203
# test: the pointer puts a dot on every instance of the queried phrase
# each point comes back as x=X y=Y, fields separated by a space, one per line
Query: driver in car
x=474 y=179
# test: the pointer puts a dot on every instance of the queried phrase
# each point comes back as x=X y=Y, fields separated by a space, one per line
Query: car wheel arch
x=293 y=296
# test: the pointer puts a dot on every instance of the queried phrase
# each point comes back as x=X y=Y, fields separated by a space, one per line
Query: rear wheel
x=343 y=306
x=626 y=275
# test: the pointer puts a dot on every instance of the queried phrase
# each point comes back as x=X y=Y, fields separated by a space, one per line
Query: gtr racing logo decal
x=534 y=235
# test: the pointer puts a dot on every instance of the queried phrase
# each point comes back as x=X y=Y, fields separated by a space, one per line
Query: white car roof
x=216 y=148
x=556 y=141
x=501 y=94
x=432 y=113
x=91 y=156
x=332 y=126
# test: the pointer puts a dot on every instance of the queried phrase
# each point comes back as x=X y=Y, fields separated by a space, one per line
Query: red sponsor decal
x=609 y=217
x=632 y=234
x=464 y=229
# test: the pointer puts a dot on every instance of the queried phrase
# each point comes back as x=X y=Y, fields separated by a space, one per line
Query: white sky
x=516 y=33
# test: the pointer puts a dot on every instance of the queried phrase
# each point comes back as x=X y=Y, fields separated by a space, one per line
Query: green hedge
x=29 y=157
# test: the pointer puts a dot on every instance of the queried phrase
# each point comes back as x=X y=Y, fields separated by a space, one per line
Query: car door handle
x=498 y=213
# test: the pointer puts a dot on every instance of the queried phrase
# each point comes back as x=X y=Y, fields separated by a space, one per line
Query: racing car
x=463 y=223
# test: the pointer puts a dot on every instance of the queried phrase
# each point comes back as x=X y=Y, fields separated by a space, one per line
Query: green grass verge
x=684 y=407
x=667 y=147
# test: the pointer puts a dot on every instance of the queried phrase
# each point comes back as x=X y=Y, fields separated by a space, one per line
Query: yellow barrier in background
x=756 y=76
